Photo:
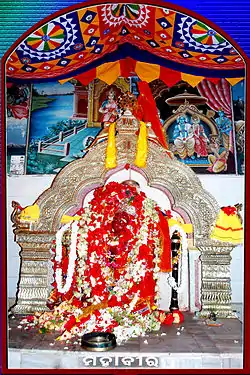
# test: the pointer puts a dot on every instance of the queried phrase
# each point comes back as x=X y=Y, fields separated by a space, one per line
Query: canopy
x=84 y=39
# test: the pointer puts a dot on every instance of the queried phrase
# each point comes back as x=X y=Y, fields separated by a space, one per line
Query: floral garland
x=111 y=270
x=72 y=258
x=103 y=244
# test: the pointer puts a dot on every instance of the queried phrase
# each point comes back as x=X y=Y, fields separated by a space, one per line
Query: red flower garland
x=114 y=220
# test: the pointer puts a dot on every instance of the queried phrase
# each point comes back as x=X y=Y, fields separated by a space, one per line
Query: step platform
x=192 y=344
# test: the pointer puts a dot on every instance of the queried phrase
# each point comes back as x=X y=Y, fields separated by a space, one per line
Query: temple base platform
x=191 y=344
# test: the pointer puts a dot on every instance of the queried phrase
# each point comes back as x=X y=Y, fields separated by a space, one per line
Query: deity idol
x=201 y=140
x=224 y=125
x=184 y=137
x=106 y=275
x=109 y=108
x=219 y=156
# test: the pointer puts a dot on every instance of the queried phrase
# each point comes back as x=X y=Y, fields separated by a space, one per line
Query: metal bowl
x=98 y=341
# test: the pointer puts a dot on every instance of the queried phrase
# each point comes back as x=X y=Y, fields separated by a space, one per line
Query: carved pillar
x=91 y=104
x=216 y=281
x=75 y=102
x=34 y=281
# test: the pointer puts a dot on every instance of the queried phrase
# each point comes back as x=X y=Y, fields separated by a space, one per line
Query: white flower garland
x=59 y=235
x=172 y=283
x=72 y=257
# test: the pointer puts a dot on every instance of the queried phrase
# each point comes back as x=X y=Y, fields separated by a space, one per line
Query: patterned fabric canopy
x=86 y=38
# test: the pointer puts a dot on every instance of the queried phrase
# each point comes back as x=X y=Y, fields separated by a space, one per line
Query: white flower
x=78 y=312
x=93 y=281
x=72 y=258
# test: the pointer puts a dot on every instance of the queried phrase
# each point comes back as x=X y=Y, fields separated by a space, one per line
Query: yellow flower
x=49 y=325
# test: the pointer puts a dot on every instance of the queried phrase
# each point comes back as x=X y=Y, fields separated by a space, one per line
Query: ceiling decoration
x=87 y=37
x=109 y=72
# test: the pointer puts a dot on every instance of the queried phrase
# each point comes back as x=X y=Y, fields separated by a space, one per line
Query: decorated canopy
x=84 y=39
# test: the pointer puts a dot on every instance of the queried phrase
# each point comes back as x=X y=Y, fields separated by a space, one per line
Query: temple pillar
x=194 y=280
x=91 y=104
x=34 y=279
x=216 y=281
x=75 y=103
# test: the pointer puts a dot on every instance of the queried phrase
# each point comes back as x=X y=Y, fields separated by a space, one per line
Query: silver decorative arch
x=66 y=194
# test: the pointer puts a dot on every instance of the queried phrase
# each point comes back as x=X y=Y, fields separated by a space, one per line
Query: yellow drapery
x=111 y=151
x=228 y=228
x=142 y=146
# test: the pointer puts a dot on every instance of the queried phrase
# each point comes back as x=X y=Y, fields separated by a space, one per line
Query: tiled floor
x=201 y=346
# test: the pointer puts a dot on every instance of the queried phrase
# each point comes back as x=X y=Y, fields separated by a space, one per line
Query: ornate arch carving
x=158 y=88
x=66 y=194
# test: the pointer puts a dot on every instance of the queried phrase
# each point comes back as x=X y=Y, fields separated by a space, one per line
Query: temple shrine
x=122 y=122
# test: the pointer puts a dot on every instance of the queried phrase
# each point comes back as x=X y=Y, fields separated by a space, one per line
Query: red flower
x=178 y=317
x=127 y=166
x=30 y=318
x=64 y=265
x=67 y=296
x=168 y=214
x=168 y=320
x=113 y=301
x=143 y=252
x=147 y=286
x=112 y=326
x=97 y=314
x=70 y=323
x=124 y=299
x=76 y=302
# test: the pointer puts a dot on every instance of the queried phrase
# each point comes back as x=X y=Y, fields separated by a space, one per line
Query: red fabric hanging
x=87 y=77
x=214 y=80
x=165 y=260
x=127 y=66
x=218 y=95
x=169 y=77
x=150 y=112
x=224 y=89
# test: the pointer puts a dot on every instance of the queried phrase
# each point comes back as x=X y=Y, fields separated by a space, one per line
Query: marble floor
x=191 y=344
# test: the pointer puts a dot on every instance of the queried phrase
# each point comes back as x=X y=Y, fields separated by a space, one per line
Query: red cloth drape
x=169 y=77
x=86 y=77
x=218 y=95
x=165 y=259
x=150 y=112
x=127 y=66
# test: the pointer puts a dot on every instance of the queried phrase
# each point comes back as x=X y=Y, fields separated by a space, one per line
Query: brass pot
x=98 y=341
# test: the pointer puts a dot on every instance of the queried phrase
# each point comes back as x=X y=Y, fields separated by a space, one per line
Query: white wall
x=228 y=190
